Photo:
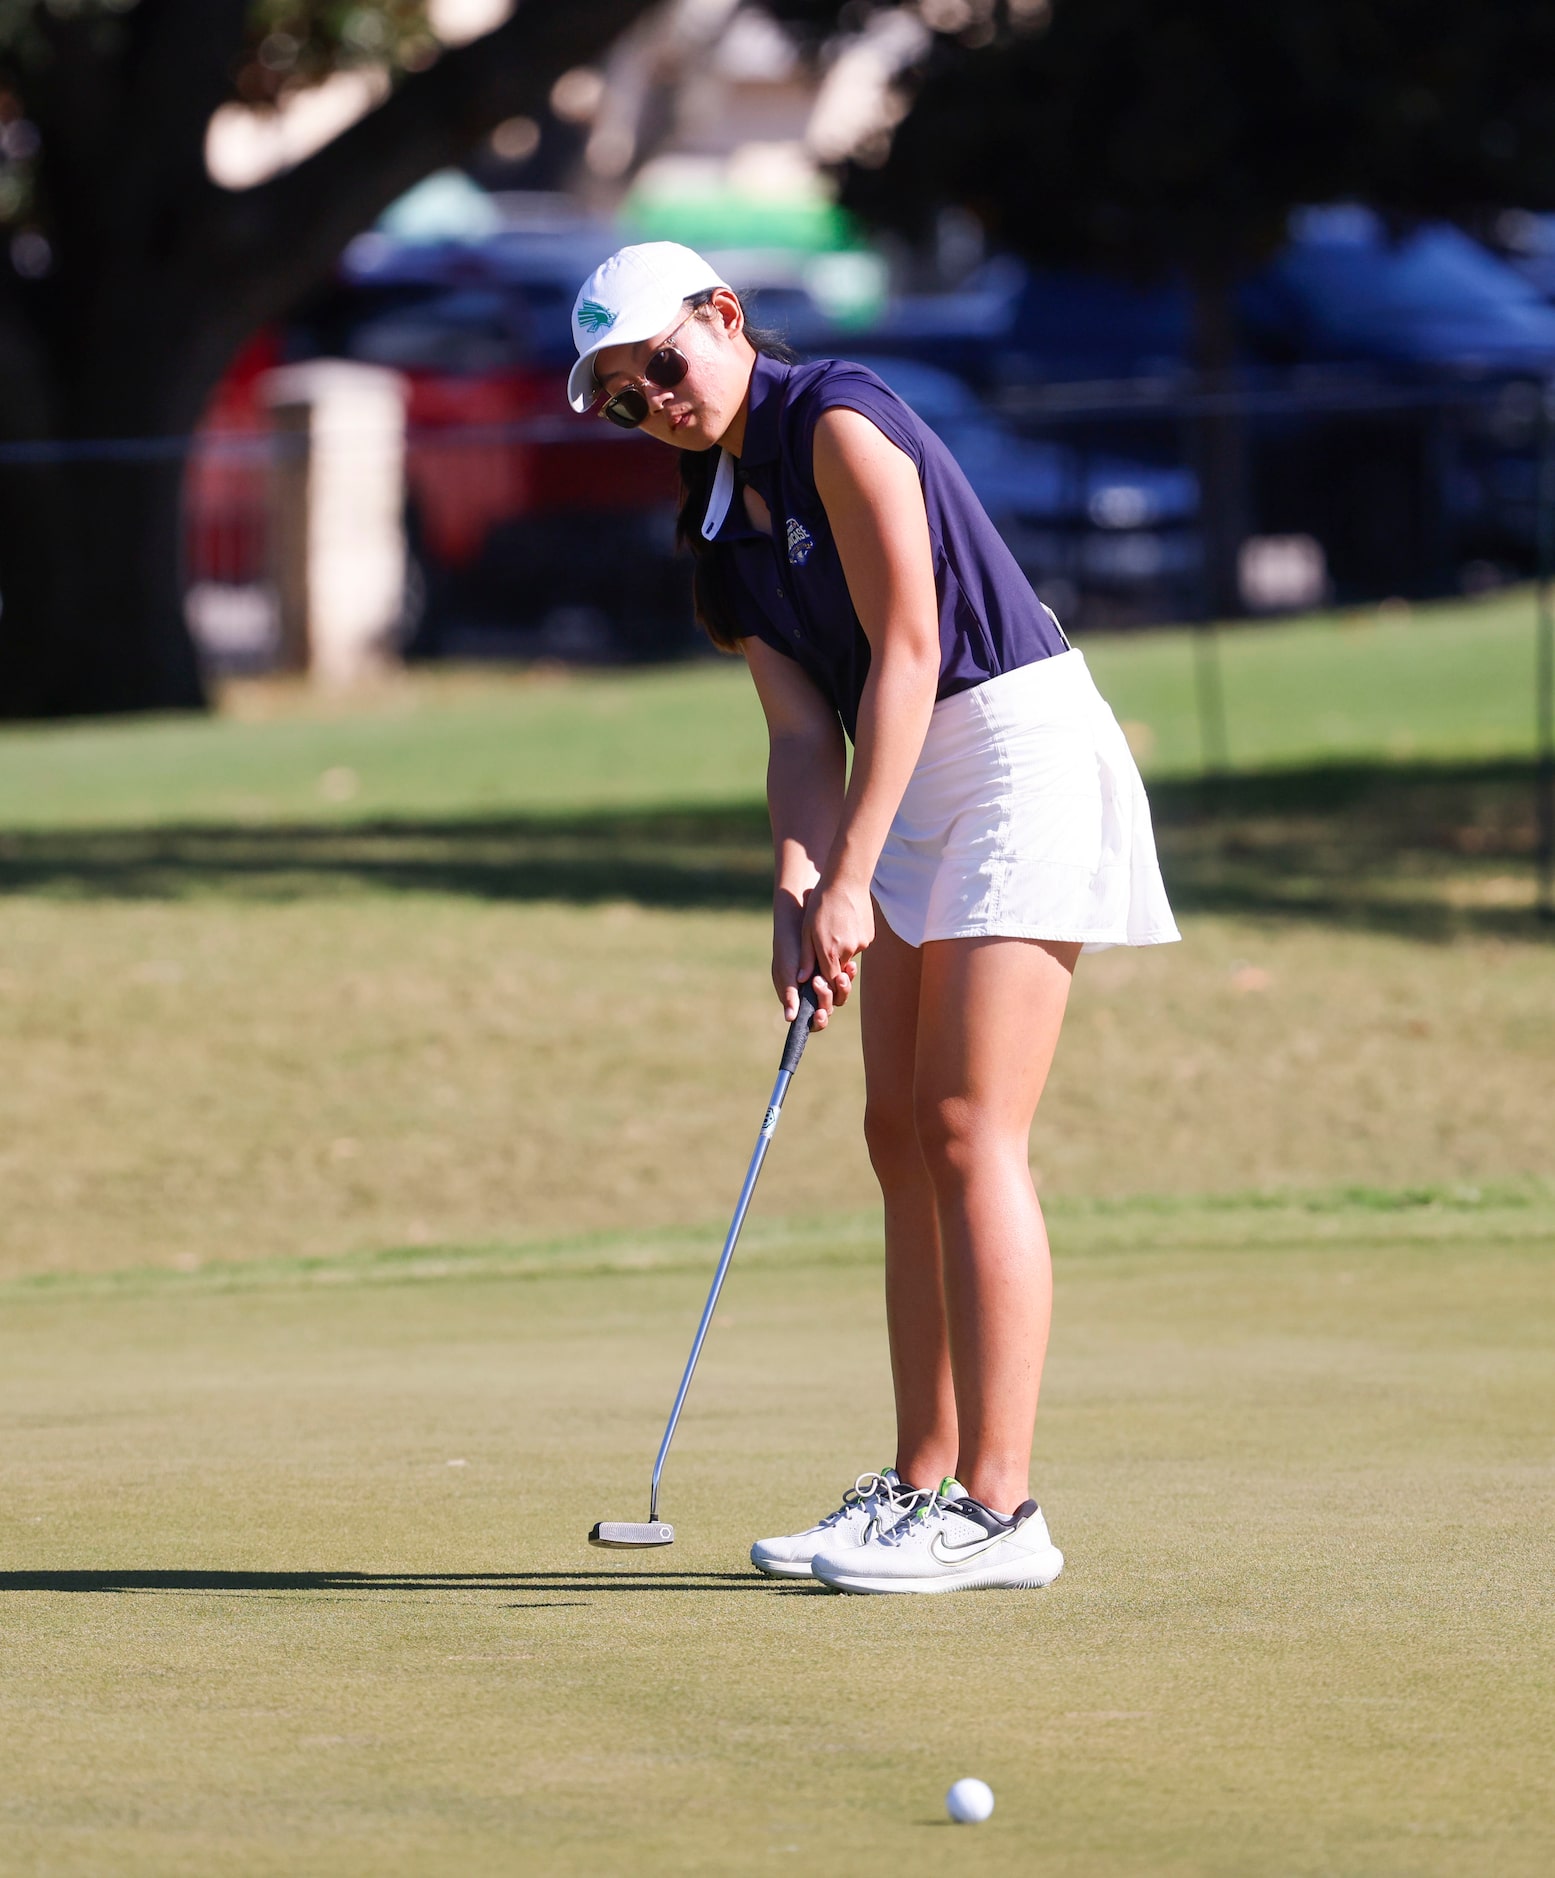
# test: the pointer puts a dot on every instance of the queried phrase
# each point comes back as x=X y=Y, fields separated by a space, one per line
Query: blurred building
x=710 y=123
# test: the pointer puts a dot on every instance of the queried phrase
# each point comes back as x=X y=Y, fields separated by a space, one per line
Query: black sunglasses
x=666 y=367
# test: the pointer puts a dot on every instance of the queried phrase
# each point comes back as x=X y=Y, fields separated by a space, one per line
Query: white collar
x=722 y=495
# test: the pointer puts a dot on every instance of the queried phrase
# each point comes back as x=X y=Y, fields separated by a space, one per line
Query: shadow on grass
x=1422 y=850
x=220 y=1581
x=706 y=857
x=1425 y=850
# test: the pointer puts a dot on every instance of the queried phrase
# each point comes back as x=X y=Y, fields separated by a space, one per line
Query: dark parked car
x=1443 y=350
x=1090 y=527
x=1392 y=386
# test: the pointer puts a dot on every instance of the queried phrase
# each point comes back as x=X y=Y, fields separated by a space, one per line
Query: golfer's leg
x=915 y=1301
x=989 y=1017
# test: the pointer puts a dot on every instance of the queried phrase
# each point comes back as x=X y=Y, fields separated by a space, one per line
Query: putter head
x=626 y=1532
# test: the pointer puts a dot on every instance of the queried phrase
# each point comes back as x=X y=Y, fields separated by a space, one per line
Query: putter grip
x=799 y=1030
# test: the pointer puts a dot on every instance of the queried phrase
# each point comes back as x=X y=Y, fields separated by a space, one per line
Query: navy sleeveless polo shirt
x=788 y=589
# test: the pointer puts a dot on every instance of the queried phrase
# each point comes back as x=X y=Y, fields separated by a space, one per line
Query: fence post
x=1544 y=663
x=287 y=534
x=1210 y=693
x=1216 y=445
x=337 y=501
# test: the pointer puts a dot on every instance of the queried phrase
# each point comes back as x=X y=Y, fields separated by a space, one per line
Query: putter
x=622 y=1532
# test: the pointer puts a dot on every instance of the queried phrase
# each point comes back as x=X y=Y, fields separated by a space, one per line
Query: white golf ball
x=969 y=1801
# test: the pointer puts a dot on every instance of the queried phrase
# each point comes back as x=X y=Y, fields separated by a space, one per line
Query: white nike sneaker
x=872 y=1504
x=949 y=1542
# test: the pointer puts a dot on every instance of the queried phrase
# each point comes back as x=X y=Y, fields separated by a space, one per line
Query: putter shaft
x=752 y=1173
x=798 y=1031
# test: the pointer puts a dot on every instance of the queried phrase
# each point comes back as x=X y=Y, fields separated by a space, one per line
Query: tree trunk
x=99 y=378
x=91 y=552
x=158 y=276
x=92 y=592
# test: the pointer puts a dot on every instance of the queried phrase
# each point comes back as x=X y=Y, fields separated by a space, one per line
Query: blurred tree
x=130 y=278
x=1175 y=136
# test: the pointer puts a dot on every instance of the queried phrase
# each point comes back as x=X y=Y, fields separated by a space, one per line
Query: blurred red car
x=530 y=530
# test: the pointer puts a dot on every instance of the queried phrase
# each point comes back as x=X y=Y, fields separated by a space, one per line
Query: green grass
x=295 y=1579
x=378 y=1075
x=1450 y=683
x=433 y=746
x=212 y=1079
x=1447 y=684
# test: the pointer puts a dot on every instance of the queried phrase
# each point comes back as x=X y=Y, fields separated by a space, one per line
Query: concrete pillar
x=337 y=509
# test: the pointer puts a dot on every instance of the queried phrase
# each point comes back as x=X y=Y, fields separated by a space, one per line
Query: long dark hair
x=697 y=469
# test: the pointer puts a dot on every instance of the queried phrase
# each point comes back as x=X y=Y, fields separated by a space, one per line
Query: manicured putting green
x=295 y=1577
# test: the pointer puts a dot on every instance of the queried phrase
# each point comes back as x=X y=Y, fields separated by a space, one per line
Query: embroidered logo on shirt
x=800 y=542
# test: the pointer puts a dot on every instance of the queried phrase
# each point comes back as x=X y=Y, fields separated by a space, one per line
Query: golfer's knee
x=953 y=1136
x=892 y=1140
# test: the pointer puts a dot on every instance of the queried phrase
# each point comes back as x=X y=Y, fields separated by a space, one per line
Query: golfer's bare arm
x=806 y=768
x=874 y=503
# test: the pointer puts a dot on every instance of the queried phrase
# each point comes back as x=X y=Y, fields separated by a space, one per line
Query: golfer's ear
x=726 y=303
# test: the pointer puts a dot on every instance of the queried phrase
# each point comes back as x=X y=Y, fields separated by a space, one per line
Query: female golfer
x=992 y=828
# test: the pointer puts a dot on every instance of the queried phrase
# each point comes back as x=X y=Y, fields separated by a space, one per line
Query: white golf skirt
x=1025 y=818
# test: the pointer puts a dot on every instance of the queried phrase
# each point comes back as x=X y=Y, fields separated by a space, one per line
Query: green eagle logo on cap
x=594 y=318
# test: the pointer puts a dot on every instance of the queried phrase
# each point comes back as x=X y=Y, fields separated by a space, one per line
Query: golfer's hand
x=789 y=994
x=787 y=941
x=839 y=923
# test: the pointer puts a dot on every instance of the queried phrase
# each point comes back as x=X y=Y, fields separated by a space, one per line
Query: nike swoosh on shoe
x=953 y=1554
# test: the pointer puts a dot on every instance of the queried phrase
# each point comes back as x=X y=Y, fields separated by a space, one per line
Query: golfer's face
x=686 y=414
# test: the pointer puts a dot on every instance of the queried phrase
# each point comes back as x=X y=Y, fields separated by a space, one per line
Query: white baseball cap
x=629 y=298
